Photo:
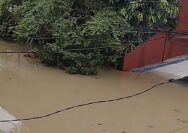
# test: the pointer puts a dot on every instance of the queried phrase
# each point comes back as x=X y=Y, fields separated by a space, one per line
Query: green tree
x=89 y=33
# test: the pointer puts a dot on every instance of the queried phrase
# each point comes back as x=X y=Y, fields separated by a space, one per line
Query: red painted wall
x=176 y=46
x=160 y=47
x=183 y=18
x=148 y=53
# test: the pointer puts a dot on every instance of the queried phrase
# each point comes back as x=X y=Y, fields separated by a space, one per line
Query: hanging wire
x=68 y=50
x=167 y=31
x=75 y=49
x=133 y=2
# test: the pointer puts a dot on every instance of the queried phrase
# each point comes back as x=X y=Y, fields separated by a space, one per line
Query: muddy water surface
x=28 y=88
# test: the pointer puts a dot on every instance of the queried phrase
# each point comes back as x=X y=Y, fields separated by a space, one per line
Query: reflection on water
x=28 y=88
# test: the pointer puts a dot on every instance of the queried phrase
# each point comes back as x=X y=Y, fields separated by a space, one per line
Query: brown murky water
x=28 y=88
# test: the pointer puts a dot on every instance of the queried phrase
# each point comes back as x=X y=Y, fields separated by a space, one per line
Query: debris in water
x=151 y=126
x=183 y=121
x=177 y=111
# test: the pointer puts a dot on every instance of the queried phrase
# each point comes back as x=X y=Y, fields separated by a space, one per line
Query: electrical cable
x=138 y=2
x=68 y=50
x=149 y=30
x=87 y=104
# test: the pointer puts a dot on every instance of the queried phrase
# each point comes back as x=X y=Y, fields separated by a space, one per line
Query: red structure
x=161 y=46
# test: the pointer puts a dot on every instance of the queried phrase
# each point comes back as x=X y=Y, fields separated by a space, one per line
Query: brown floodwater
x=28 y=88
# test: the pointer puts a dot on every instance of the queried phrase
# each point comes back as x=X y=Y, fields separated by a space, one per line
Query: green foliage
x=90 y=33
x=148 y=14
x=107 y=29
x=8 y=19
x=36 y=16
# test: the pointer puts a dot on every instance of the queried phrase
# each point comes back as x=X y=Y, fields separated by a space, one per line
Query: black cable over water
x=86 y=104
